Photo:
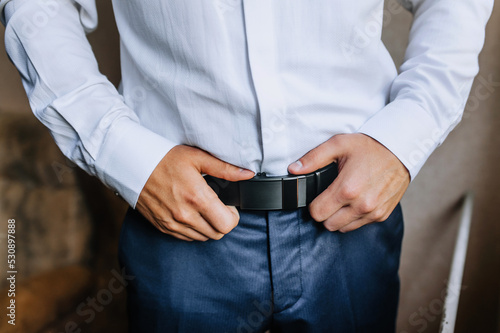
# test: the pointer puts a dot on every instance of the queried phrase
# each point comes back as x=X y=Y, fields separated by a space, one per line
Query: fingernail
x=297 y=165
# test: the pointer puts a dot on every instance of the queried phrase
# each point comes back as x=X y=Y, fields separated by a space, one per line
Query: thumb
x=215 y=167
x=324 y=154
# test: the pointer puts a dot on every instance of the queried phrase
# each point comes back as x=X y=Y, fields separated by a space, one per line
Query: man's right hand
x=178 y=201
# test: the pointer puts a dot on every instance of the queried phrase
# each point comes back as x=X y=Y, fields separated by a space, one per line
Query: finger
x=323 y=155
x=234 y=211
x=186 y=219
x=177 y=229
x=355 y=224
x=215 y=167
x=204 y=211
x=341 y=218
x=223 y=222
x=326 y=204
x=160 y=225
x=338 y=194
x=192 y=234
x=178 y=236
x=222 y=218
x=204 y=227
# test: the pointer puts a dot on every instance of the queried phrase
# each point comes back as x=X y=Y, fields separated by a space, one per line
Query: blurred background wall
x=67 y=224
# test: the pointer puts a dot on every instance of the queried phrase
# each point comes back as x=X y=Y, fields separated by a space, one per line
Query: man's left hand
x=370 y=183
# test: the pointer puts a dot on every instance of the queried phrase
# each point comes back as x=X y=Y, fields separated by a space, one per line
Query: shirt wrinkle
x=256 y=83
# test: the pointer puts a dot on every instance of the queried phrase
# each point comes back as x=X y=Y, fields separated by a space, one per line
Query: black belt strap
x=274 y=193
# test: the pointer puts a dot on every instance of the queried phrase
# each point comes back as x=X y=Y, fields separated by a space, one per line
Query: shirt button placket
x=263 y=57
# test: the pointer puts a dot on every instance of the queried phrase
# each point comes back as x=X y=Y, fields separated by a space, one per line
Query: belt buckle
x=273 y=193
x=261 y=193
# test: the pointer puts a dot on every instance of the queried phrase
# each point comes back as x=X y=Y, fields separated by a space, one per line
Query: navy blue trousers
x=277 y=270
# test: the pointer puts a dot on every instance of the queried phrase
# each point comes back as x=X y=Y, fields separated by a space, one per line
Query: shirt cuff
x=129 y=156
x=407 y=130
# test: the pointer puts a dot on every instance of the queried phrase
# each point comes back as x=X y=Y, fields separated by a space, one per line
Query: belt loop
x=311 y=182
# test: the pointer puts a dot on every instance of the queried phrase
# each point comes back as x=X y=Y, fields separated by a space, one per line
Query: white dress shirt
x=256 y=83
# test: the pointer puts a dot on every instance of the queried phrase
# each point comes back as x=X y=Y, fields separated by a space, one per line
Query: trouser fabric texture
x=277 y=270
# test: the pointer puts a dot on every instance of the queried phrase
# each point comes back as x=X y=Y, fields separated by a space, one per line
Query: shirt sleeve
x=428 y=97
x=85 y=114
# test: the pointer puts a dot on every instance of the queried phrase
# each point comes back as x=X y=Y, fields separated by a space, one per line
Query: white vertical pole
x=457 y=267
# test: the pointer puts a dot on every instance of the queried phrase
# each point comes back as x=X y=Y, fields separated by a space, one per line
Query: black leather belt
x=274 y=193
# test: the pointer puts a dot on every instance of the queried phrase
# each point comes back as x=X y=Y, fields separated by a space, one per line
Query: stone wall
x=67 y=223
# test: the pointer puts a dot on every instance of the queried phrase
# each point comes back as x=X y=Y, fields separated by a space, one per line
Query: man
x=232 y=88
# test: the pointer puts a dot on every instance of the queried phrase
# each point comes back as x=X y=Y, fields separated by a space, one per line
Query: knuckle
x=345 y=230
x=336 y=138
x=167 y=227
x=190 y=151
x=180 y=215
x=228 y=225
x=316 y=213
x=193 y=198
x=349 y=192
x=367 y=206
x=165 y=231
x=201 y=197
x=162 y=228
x=172 y=226
x=380 y=215
x=206 y=198
x=225 y=228
x=330 y=227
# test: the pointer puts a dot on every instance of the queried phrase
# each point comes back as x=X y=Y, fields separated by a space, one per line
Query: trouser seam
x=300 y=265
x=270 y=267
